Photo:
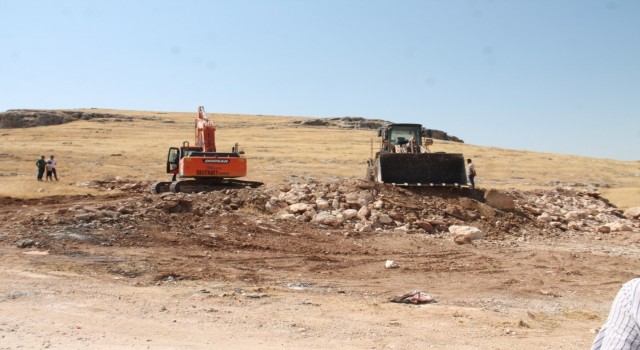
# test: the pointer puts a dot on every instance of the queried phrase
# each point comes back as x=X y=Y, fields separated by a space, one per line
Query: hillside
x=134 y=145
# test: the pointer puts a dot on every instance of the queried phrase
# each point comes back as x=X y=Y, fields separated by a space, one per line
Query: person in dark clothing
x=41 y=167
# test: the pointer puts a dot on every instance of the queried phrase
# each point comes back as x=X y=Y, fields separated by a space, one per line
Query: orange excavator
x=200 y=168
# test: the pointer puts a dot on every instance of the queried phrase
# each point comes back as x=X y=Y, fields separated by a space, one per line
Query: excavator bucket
x=421 y=169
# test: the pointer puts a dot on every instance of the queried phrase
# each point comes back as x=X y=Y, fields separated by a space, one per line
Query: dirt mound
x=253 y=219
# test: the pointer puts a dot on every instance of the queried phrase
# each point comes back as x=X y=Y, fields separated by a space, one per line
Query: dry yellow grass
x=276 y=149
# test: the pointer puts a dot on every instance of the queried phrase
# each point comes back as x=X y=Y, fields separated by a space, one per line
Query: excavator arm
x=205 y=132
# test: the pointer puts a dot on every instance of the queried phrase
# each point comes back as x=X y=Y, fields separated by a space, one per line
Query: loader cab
x=400 y=135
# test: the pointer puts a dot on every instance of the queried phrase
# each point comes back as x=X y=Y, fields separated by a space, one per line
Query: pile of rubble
x=346 y=122
x=583 y=210
x=370 y=124
x=28 y=118
x=358 y=207
x=363 y=207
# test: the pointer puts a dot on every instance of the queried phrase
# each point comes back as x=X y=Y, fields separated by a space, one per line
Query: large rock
x=465 y=234
x=618 y=226
x=401 y=229
x=289 y=198
x=358 y=199
x=425 y=226
x=364 y=227
x=322 y=204
x=326 y=218
x=632 y=213
x=283 y=215
x=576 y=214
x=274 y=205
x=349 y=214
x=499 y=200
x=544 y=217
x=457 y=212
x=298 y=208
x=363 y=213
x=574 y=225
x=385 y=219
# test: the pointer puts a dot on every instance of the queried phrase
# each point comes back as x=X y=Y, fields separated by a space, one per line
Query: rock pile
x=352 y=207
x=27 y=118
x=371 y=124
x=346 y=122
x=364 y=208
x=575 y=210
x=331 y=205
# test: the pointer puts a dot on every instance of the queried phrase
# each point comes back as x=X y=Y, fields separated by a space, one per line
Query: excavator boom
x=205 y=132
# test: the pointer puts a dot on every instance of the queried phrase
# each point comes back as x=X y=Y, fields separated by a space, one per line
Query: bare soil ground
x=89 y=265
x=174 y=277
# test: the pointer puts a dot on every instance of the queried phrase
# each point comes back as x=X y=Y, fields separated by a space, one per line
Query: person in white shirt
x=471 y=170
x=53 y=167
x=622 y=328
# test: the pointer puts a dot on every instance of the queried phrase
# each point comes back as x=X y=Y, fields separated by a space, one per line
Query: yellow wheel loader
x=404 y=160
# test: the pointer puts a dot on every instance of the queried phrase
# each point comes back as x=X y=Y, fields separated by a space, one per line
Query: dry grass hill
x=135 y=148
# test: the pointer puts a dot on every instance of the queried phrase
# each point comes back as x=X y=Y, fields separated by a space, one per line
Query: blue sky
x=560 y=76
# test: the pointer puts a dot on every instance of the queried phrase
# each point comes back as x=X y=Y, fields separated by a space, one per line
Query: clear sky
x=560 y=76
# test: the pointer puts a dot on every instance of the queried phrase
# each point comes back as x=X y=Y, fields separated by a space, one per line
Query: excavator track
x=161 y=187
x=195 y=186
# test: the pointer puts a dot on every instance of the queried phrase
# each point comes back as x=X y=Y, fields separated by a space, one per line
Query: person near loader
x=42 y=164
x=471 y=171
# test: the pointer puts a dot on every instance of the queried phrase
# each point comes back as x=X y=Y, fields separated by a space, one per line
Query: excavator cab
x=404 y=160
x=173 y=160
x=176 y=154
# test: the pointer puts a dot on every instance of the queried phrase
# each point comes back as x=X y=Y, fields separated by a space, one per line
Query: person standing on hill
x=42 y=164
x=53 y=167
x=471 y=170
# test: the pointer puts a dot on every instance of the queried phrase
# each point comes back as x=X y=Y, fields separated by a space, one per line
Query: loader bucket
x=424 y=169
